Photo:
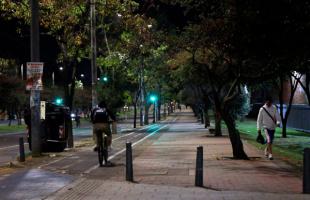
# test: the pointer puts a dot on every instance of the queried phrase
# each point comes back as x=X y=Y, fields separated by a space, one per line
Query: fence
x=299 y=117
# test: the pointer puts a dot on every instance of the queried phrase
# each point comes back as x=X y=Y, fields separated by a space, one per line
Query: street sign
x=34 y=76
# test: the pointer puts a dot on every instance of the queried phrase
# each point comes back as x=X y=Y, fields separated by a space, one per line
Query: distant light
x=98 y=79
x=61 y=68
x=82 y=75
x=141 y=45
x=119 y=15
x=153 y=98
x=105 y=79
x=149 y=25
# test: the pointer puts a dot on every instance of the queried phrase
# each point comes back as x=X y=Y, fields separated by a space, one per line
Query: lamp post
x=93 y=51
x=141 y=94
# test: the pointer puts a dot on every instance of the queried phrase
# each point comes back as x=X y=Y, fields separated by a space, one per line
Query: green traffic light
x=59 y=101
x=153 y=98
x=104 y=79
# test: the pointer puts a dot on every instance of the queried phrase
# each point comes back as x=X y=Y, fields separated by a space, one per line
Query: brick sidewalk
x=165 y=169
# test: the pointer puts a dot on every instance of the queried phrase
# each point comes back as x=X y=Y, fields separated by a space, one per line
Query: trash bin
x=54 y=128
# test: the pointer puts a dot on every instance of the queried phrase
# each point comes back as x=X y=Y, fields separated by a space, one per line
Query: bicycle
x=102 y=148
x=103 y=152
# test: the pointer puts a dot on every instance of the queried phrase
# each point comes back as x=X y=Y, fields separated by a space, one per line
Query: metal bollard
x=306 y=174
x=199 y=167
x=21 y=150
x=129 y=169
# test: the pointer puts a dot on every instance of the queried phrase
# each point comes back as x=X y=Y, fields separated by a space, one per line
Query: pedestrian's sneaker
x=266 y=153
x=270 y=157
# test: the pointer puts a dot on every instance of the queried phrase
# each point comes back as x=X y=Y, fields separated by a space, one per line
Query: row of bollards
x=306 y=169
x=199 y=165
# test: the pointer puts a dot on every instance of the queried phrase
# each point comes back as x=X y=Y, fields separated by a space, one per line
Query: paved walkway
x=165 y=168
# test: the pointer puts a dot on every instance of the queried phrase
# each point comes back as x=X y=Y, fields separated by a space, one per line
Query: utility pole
x=141 y=94
x=35 y=94
x=93 y=51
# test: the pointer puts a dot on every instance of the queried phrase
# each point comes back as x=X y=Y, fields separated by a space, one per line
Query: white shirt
x=265 y=121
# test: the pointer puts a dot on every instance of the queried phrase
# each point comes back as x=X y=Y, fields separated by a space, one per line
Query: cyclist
x=100 y=117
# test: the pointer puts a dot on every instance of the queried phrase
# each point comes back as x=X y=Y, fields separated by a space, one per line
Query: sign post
x=34 y=84
x=35 y=92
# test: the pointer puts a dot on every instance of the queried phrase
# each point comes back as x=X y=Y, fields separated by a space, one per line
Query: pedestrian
x=100 y=117
x=268 y=119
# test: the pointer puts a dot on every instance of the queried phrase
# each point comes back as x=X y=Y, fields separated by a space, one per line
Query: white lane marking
x=137 y=135
x=8 y=134
x=10 y=147
x=128 y=134
x=55 y=161
x=123 y=150
x=14 y=146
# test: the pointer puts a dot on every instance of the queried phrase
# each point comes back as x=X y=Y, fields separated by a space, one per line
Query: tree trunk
x=168 y=108
x=207 y=119
x=69 y=95
x=218 y=124
x=135 y=116
x=146 y=114
x=306 y=86
x=293 y=87
x=19 y=117
x=201 y=116
x=234 y=136
x=307 y=89
x=141 y=115
x=284 y=124
x=165 y=114
x=158 y=110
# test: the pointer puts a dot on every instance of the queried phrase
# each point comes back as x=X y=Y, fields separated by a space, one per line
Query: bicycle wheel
x=100 y=149
x=105 y=149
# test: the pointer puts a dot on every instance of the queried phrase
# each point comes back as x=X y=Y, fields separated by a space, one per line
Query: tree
x=67 y=22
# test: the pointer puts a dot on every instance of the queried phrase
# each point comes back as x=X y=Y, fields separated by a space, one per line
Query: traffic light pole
x=35 y=94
